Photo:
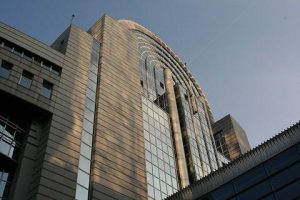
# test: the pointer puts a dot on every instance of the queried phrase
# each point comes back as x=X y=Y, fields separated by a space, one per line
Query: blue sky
x=244 y=53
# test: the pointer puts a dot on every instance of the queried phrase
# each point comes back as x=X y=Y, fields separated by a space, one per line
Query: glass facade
x=277 y=178
x=11 y=143
x=199 y=147
x=160 y=159
x=221 y=144
x=26 y=79
x=11 y=138
x=5 y=69
x=83 y=175
x=47 y=89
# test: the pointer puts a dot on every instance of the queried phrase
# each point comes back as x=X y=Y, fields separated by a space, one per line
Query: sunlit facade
x=231 y=139
x=199 y=148
x=108 y=113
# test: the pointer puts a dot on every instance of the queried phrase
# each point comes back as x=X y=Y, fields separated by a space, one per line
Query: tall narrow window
x=47 y=89
x=5 y=69
x=26 y=79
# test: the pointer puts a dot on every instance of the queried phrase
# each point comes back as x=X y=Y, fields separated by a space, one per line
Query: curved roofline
x=135 y=26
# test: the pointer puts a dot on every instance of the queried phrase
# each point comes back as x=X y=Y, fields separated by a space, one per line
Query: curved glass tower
x=179 y=146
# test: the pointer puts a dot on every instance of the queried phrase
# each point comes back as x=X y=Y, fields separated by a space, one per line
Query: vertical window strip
x=83 y=175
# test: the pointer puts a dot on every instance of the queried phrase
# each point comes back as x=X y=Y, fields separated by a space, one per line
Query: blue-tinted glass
x=250 y=178
x=94 y=60
x=2 y=187
x=256 y=192
x=282 y=160
x=5 y=69
x=4 y=147
x=88 y=126
x=291 y=191
x=81 y=193
x=84 y=164
x=270 y=197
x=4 y=72
x=46 y=89
x=92 y=85
x=93 y=77
x=85 y=150
x=94 y=68
x=90 y=104
x=96 y=45
x=83 y=179
x=286 y=176
x=87 y=137
x=91 y=94
x=224 y=192
x=26 y=79
x=89 y=115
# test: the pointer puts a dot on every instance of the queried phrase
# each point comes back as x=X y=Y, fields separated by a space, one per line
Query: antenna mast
x=73 y=16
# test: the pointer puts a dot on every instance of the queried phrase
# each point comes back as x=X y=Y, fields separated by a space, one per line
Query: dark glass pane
x=282 y=160
x=5 y=69
x=256 y=192
x=4 y=147
x=26 y=79
x=286 y=176
x=47 y=89
x=250 y=178
x=223 y=192
x=289 y=192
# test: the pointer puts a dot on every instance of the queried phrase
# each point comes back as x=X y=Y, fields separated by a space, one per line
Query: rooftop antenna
x=73 y=16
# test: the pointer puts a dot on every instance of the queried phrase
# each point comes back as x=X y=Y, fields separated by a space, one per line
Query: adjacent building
x=108 y=113
x=231 y=139
x=269 y=171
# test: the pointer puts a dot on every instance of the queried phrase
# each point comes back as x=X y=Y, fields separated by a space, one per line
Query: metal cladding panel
x=118 y=167
x=57 y=178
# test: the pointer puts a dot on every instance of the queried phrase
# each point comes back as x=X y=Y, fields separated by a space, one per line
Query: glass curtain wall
x=199 y=145
x=12 y=137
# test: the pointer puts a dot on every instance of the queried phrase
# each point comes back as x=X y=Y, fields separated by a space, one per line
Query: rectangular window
x=47 y=89
x=5 y=69
x=26 y=79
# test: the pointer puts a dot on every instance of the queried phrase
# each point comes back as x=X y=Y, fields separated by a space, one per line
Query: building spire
x=73 y=16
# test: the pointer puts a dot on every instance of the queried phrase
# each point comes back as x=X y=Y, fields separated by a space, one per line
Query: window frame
x=26 y=76
x=47 y=89
x=5 y=65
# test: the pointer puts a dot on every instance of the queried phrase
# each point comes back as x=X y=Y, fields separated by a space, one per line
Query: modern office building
x=109 y=113
x=269 y=171
x=231 y=139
